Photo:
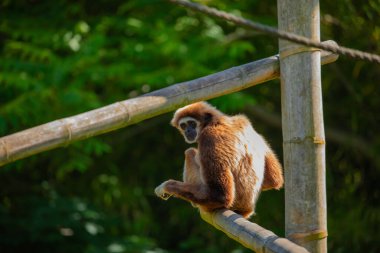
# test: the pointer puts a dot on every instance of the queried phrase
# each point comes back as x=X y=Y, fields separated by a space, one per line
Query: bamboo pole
x=62 y=132
x=303 y=131
x=249 y=234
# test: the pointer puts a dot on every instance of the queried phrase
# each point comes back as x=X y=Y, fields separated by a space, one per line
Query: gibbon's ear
x=173 y=122
x=207 y=117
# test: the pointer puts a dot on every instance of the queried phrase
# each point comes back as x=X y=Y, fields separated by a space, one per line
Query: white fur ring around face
x=160 y=192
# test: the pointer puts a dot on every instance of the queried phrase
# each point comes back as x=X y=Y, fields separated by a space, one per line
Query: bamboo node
x=319 y=140
x=243 y=75
x=308 y=236
x=125 y=110
x=269 y=240
x=288 y=51
x=67 y=127
x=298 y=140
x=5 y=147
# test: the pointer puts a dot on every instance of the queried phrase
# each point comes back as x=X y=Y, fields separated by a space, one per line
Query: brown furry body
x=230 y=167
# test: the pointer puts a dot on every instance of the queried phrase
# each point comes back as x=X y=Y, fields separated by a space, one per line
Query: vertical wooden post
x=303 y=131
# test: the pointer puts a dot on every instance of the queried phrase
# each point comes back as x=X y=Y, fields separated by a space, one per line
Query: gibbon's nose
x=190 y=134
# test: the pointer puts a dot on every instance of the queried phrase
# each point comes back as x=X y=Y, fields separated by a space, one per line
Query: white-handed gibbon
x=231 y=165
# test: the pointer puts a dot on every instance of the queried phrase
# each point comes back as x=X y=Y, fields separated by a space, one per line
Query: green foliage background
x=60 y=58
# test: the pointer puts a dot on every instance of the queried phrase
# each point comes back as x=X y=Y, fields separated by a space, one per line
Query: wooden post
x=303 y=132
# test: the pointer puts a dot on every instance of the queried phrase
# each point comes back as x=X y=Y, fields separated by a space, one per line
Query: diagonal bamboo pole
x=62 y=132
x=249 y=234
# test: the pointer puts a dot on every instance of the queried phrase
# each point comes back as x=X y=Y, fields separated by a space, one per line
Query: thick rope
x=353 y=53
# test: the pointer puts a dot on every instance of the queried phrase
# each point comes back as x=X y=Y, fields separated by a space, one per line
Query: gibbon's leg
x=218 y=193
x=273 y=178
x=198 y=194
x=191 y=169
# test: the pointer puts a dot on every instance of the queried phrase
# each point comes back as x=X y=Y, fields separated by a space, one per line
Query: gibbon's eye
x=182 y=126
x=192 y=123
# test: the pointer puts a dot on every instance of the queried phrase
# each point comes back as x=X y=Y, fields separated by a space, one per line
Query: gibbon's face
x=189 y=127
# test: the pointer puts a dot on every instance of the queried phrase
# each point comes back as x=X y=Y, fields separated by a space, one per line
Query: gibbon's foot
x=161 y=193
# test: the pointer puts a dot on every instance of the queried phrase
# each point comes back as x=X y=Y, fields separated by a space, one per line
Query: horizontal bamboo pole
x=62 y=132
x=249 y=234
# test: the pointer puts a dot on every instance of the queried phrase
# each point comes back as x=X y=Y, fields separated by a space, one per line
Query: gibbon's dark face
x=190 y=129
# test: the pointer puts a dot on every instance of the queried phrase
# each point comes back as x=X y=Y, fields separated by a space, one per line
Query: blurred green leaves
x=60 y=58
